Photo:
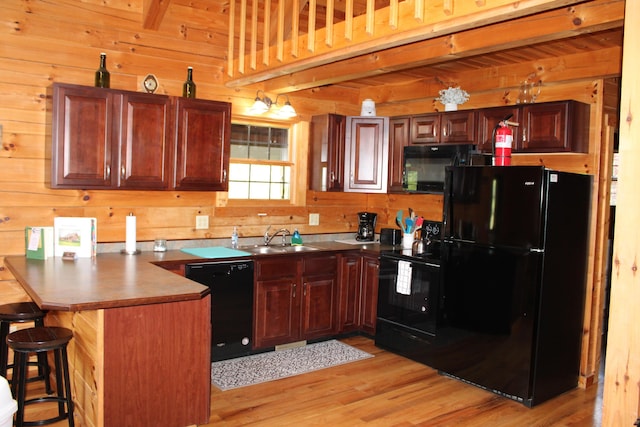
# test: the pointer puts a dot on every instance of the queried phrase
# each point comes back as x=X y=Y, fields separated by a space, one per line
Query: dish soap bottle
x=296 y=239
x=234 y=238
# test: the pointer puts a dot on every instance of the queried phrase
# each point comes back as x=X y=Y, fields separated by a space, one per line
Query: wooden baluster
x=254 y=34
x=370 y=17
x=418 y=10
x=311 y=36
x=348 y=20
x=328 y=40
x=295 y=27
x=280 y=36
x=393 y=14
x=448 y=7
x=266 y=39
x=232 y=31
x=243 y=35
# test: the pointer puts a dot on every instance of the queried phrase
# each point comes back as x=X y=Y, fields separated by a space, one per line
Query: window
x=259 y=167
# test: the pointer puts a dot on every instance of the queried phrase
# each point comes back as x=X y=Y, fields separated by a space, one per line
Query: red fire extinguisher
x=502 y=142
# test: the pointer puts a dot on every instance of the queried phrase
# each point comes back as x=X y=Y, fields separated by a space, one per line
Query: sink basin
x=276 y=249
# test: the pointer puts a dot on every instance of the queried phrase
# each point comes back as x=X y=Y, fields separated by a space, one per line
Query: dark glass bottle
x=102 y=75
x=189 y=87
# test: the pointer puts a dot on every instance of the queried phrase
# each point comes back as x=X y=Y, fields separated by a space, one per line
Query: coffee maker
x=366 y=226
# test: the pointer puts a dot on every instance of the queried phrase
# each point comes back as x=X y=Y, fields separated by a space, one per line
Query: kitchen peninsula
x=140 y=354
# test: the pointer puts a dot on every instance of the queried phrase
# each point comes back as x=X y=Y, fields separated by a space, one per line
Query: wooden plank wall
x=60 y=40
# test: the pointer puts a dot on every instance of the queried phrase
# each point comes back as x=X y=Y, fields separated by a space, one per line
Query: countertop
x=115 y=280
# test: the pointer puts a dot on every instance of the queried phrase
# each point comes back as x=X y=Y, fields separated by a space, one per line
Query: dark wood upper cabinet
x=554 y=127
x=458 y=127
x=114 y=139
x=326 y=152
x=202 y=144
x=367 y=153
x=425 y=129
x=488 y=119
x=83 y=137
x=145 y=142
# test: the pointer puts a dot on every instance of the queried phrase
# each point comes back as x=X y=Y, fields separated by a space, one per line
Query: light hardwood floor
x=389 y=390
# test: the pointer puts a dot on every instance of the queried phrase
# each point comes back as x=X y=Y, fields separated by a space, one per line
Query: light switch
x=202 y=222
x=314 y=219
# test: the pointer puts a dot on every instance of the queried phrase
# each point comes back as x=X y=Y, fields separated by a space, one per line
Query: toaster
x=390 y=236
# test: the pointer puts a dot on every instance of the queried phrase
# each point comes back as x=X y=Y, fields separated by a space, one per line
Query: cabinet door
x=82 y=136
x=349 y=288
x=544 y=127
x=145 y=142
x=318 y=306
x=399 y=134
x=367 y=154
x=369 y=301
x=203 y=143
x=425 y=129
x=276 y=314
x=319 y=295
x=326 y=153
x=458 y=127
x=488 y=119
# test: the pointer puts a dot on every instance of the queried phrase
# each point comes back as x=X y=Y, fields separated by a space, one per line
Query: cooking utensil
x=409 y=223
x=399 y=219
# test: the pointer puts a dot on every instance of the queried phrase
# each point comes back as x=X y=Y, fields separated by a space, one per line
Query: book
x=75 y=236
x=38 y=242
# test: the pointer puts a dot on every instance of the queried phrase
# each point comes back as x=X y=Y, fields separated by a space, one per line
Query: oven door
x=408 y=292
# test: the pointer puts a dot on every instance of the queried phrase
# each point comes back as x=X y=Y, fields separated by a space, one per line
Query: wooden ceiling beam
x=153 y=12
x=605 y=63
x=547 y=26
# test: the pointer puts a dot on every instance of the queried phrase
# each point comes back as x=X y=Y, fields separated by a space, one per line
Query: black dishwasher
x=231 y=284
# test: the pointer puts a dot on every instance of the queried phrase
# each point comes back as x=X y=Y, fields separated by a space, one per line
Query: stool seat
x=39 y=339
x=20 y=312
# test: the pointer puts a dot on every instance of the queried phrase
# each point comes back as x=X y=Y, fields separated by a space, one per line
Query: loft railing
x=272 y=38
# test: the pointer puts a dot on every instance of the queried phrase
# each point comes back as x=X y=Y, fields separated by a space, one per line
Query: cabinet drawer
x=322 y=264
x=276 y=267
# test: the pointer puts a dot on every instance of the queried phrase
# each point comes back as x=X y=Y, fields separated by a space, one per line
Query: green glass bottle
x=102 y=75
x=189 y=87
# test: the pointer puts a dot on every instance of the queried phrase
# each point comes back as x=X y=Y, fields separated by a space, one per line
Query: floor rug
x=259 y=368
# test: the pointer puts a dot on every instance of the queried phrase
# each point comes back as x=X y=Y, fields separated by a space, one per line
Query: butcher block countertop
x=106 y=281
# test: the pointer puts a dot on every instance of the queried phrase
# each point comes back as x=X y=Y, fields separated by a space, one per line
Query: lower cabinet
x=358 y=278
x=295 y=298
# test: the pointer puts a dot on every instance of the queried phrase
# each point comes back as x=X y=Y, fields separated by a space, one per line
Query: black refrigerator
x=514 y=263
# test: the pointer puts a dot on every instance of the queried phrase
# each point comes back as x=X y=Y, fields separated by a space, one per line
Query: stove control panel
x=431 y=230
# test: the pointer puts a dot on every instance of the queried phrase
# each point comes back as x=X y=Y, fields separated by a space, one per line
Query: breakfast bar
x=140 y=354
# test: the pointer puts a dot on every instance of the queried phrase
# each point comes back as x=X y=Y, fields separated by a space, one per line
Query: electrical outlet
x=314 y=219
x=202 y=222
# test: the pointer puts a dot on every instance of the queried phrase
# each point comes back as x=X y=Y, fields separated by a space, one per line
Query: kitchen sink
x=276 y=249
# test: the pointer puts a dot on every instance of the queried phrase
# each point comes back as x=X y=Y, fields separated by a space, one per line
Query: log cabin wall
x=60 y=41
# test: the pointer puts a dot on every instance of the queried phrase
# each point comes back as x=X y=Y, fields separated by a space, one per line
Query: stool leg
x=19 y=385
x=43 y=363
x=4 y=348
x=67 y=385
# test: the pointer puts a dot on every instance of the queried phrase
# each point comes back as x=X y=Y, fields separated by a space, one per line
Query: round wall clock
x=150 y=83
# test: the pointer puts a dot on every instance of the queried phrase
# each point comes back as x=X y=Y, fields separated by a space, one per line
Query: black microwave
x=424 y=165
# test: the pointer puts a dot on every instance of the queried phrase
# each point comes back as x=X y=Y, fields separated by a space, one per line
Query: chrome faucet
x=268 y=239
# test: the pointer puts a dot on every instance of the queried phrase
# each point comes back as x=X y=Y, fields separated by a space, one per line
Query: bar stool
x=22 y=312
x=41 y=340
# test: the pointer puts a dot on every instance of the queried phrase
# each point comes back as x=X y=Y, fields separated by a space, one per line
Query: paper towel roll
x=130 y=243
